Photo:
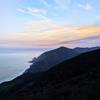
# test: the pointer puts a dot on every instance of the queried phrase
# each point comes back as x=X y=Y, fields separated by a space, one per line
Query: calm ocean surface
x=13 y=64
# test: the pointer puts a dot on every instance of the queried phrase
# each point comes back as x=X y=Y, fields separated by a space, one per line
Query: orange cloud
x=89 y=30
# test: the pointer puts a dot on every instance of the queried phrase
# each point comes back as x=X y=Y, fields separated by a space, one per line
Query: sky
x=49 y=23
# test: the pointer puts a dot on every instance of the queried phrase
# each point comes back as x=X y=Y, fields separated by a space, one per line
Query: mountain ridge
x=50 y=58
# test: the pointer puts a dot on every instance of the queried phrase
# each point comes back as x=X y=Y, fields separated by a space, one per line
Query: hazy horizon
x=13 y=64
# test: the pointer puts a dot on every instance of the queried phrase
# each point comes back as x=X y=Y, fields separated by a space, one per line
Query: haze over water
x=14 y=63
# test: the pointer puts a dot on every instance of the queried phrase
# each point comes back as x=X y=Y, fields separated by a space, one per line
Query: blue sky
x=35 y=23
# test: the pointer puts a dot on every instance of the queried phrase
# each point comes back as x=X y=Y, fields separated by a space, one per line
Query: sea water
x=13 y=64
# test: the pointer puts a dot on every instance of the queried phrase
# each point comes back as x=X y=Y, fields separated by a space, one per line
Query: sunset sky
x=49 y=23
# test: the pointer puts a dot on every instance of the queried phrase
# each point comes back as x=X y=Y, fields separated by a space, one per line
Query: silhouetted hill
x=50 y=58
x=74 y=79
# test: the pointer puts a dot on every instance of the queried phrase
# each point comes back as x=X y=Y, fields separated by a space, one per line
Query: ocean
x=13 y=64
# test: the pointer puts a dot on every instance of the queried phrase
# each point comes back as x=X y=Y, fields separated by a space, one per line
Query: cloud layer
x=47 y=33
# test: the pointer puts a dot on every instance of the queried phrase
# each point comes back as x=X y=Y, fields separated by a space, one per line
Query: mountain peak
x=62 y=47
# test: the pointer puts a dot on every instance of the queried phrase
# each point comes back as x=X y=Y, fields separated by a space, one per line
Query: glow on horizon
x=48 y=23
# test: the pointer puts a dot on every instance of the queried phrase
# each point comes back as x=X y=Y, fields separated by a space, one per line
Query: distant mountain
x=83 y=50
x=74 y=79
x=50 y=58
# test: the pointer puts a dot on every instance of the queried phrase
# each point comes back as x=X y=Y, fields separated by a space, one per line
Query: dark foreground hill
x=74 y=79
